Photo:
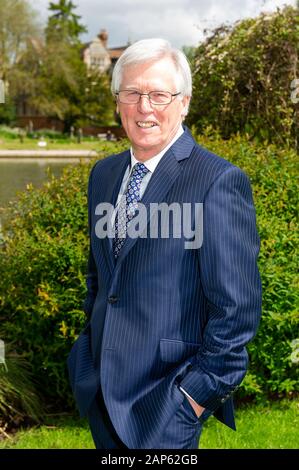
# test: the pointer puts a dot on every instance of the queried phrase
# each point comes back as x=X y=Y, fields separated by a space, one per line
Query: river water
x=16 y=173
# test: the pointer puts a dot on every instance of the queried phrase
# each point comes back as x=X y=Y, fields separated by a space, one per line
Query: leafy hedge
x=43 y=264
x=243 y=77
x=18 y=398
x=42 y=274
x=274 y=177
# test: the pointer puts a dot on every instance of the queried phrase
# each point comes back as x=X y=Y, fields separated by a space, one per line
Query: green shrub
x=42 y=274
x=41 y=291
x=8 y=112
x=273 y=175
x=242 y=77
x=9 y=132
x=43 y=266
x=18 y=397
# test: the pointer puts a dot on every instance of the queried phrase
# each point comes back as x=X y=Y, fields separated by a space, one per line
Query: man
x=168 y=322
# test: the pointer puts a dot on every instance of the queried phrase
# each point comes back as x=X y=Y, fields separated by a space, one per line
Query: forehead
x=160 y=74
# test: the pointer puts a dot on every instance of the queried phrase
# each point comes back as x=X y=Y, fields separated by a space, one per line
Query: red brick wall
x=40 y=122
x=43 y=122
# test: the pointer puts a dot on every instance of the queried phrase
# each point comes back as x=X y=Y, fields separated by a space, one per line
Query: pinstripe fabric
x=164 y=316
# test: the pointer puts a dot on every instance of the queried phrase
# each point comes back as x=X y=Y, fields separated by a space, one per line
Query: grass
x=275 y=426
x=61 y=144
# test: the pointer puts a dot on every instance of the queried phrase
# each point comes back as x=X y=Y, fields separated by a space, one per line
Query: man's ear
x=186 y=101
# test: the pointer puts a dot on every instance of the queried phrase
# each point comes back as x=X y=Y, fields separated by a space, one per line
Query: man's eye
x=132 y=93
x=159 y=94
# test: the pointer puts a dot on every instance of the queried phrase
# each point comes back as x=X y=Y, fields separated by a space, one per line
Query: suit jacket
x=163 y=316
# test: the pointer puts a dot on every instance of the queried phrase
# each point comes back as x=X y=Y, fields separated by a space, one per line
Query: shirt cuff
x=184 y=391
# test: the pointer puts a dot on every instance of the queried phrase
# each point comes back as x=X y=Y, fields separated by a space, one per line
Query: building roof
x=115 y=52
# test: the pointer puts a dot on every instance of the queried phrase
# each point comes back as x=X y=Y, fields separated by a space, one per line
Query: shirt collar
x=152 y=162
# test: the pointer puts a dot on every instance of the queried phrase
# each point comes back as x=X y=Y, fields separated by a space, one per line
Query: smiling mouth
x=146 y=124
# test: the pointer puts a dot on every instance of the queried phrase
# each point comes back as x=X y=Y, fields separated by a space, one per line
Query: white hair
x=148 y=50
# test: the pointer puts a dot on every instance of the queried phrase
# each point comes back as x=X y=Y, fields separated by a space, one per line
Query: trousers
x=101 y=427
x=183 y=432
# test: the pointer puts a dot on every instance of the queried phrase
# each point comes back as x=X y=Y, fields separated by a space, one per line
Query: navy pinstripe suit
x=164 y=316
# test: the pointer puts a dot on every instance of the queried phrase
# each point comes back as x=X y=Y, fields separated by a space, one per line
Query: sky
x=182 y=22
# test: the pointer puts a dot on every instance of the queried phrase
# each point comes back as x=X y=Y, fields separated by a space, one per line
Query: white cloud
x=180 y=21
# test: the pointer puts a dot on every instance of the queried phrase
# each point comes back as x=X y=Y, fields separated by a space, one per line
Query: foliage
x=42 y=275
x=41 y=311
x=18 y=397
x=43 y=265
x=7 y=111
x=96 y=102
x=243 y=75
x=18 y=23
x=54 y=80
x=9 y=132
x=50 y=77
x=273 y=175
x=63 y=24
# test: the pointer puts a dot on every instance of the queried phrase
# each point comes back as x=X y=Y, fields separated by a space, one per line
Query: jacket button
x=112 y=299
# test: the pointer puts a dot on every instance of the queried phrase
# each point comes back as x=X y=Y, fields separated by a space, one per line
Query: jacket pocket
x=174 y=350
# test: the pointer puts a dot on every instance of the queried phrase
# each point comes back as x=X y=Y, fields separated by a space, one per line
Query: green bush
x=42 y=274
x=243 y=75
x=8 y=112
x=43 y=266
x=9 y=132
x=18 y=398
x=273 y=174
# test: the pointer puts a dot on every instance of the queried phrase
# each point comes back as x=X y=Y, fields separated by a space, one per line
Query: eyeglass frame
x=148 y=94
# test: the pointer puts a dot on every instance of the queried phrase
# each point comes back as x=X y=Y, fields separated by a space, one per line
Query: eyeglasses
x=155 y=97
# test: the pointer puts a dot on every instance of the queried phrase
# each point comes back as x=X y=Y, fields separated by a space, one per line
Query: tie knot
x=140 y=170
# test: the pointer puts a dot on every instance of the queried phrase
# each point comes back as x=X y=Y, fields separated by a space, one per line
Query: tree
x=64 y=24
x=54 y=80
x=18 y=23
x=243 y=75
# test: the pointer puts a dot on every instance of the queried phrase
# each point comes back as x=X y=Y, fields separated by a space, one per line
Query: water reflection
x=15 y=174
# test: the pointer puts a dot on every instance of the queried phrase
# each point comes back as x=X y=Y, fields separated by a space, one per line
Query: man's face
x=161 y=121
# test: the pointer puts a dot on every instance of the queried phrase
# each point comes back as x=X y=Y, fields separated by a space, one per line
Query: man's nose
x=144 y=104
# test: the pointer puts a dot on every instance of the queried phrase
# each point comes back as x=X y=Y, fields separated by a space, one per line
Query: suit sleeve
x=91 y=277
x=232 y=289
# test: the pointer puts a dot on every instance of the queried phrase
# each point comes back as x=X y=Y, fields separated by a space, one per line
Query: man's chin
x=147 y=143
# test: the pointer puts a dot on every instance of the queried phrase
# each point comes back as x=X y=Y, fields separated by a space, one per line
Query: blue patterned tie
x=131 y=198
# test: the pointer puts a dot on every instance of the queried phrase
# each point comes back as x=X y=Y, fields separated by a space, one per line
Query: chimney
x=103 y=36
